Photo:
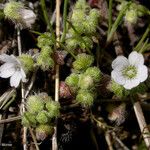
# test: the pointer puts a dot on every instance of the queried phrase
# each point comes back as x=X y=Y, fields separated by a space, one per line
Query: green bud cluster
x=118 y=89
x=27 y=62
x=85 y=21
x=133 y=12
x=83 y=82
x=44 y=60
x=41 y=111
x=82 y=62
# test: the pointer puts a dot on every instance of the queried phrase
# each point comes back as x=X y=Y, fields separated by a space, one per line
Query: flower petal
x=142 y=73
x=7 y=70
x=120 y=61
x=15 y=79
x=7 y=58
x=136 y=58
x=117 y=77
x=131 y=83
x=28 y=16
x=23 y=75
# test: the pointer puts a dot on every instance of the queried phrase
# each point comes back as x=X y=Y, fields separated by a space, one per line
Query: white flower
x=129 y=72
x=28 y=17
x=12 y=68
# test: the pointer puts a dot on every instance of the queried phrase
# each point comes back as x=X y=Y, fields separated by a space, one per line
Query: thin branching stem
x=64 y=21
x=43 y=5
x=22 y=92
x=117 y=22
x=10 y=119
x=139 y=45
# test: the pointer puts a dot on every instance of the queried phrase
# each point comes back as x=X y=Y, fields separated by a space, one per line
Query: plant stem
x=22 y=92
x=143 y=48
x=54 y=138
x=19 y=41
x=64 y=21
x=141 y=121
x=139 y=45
x=10 y=119
x=110 y=16
x=116 y=23
x=34 y=138
x=31 y=83
x=43 y=5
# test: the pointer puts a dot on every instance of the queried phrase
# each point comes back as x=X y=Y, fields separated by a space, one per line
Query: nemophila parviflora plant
x=41 y=111
x=45 y=60
x=19 y=14
x=84 y=22
x=84 y=79
x=16 y=68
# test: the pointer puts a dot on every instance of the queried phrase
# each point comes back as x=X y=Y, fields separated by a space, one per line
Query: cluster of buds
x=84 y=20
x=84 y=80
x=45 y=60
x=133 y=12
x=41 y=110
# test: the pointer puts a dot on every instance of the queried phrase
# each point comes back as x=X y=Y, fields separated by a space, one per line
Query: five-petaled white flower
x=12 y=68
x=129 y=72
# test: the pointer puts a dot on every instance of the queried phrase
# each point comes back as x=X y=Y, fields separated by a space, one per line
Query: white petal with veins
x=136 y=58
x=15 y=79
x=7 y=70
x=120 y=61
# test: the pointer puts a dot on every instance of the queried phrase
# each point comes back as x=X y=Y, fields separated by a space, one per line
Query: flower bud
x=72 y=80
x=17 y=12
x=95 y=73
x=44 y=40
x=46 y=51
x=53 y=109
x=85 y=82
x=81 y=4
x=27 y=62
x=28 y=119
x=85 y=98
x=64 y=90
x=34 y=104
x=42 y=117
x=43 y=130
x=131 y=16
x=44 y=62
x=118 y=89
x=82 y=62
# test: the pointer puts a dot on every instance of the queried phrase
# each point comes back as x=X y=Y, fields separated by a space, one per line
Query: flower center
x=129 y=72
